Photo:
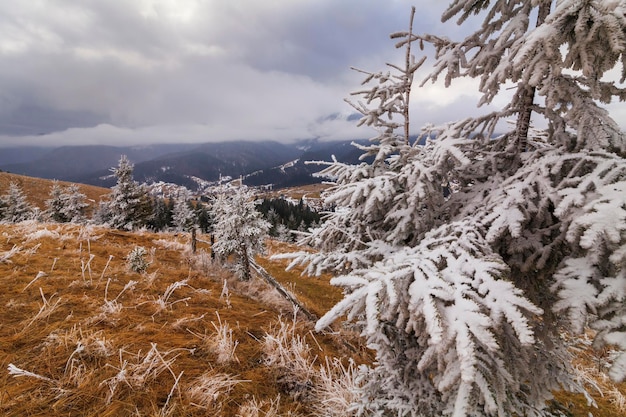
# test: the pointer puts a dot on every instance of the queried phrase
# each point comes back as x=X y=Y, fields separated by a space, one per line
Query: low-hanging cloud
x=147 y=71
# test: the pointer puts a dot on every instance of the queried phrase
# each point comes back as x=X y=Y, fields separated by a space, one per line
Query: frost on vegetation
x=111 y=309
x=171 y=245
x=86 y=344
x=463 y=251
x=259 y=408
x=290 y=356
x=136 y=260
x=222 y=344
x=240 y=230
x=210 y=388
x=336 y=389
x=42 y=233
x=139 y=370
x=48 y=307
x=5 y=257
x=163 y=302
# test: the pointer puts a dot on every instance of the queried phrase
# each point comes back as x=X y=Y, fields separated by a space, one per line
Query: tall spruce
x=465 y=259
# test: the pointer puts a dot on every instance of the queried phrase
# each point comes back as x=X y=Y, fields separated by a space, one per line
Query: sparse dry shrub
x=336 y=389
x=92 y=344
x=222 y=344
x=5 y=257
x=257 y=408
x=202 y=261
x=208 y=390
x=111 y=309
x=171 y=244
x=592 y=365
x=163 y=302
x=289 y=355
x=181 y=323
x=42 y=233
x=140 y=373
x=45 y=311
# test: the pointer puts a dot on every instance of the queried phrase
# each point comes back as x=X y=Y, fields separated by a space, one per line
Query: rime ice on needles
x=239 y=229
x=464 y=254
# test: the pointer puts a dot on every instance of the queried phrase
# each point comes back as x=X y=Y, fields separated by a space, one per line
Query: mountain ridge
x=258 y=162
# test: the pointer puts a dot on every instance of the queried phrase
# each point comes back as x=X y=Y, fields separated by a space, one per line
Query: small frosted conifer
x=465 y=254
x=66 y=204
x=239 y=229
x=128 y=206
x=183 y=216
x=14 y=207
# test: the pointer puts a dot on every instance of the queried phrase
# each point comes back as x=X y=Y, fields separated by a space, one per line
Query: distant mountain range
x=258 y=163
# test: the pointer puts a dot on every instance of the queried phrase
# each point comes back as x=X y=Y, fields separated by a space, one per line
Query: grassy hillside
x=82 y=335
x=37 y=190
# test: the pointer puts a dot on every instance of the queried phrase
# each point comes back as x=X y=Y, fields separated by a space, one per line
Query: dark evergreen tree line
x=279 y=211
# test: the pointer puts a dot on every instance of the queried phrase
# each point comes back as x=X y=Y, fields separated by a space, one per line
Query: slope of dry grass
x=37 y=190
x=81 y=335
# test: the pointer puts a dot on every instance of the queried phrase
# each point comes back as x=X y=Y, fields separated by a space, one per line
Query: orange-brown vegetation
x=37 y=190
x=310 y=191
x=82 y=335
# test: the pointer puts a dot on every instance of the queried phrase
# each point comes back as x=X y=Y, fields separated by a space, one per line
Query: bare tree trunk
x=291 y=298
x=408 y=80
x=527 y=95
x=245 y=263
x=194 y=241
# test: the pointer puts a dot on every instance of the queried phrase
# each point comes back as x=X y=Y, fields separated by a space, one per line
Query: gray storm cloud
x=127 y=72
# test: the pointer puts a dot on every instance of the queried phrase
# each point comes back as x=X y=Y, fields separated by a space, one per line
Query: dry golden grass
x=81 y=335
x=310 y=191
x=37 y=190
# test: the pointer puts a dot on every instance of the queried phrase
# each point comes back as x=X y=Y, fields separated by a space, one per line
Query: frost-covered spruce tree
x=66 y=204
x=464 y=259
x=183 y=215
x=55 y=204
x=128 y=206
x=75 y=204
x=239 y=229
x=14 y=206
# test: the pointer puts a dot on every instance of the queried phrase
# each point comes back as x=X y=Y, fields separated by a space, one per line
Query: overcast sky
x=146 y=71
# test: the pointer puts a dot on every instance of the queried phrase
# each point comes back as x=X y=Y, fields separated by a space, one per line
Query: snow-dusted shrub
x=290 y=356
x=208 y=389
x=136 y=260
x=14 y=207
x=128 y=206
x=66 y=204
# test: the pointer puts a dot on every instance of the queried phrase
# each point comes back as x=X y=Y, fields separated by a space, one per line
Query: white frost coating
x=461 y=252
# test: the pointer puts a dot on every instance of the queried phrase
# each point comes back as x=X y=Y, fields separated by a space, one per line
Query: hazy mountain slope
x=73 y=163
x=300 y=172
x=266 y=162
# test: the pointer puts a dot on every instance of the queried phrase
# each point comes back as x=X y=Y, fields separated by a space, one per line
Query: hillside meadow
x=38 y=190
x=81 y=334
